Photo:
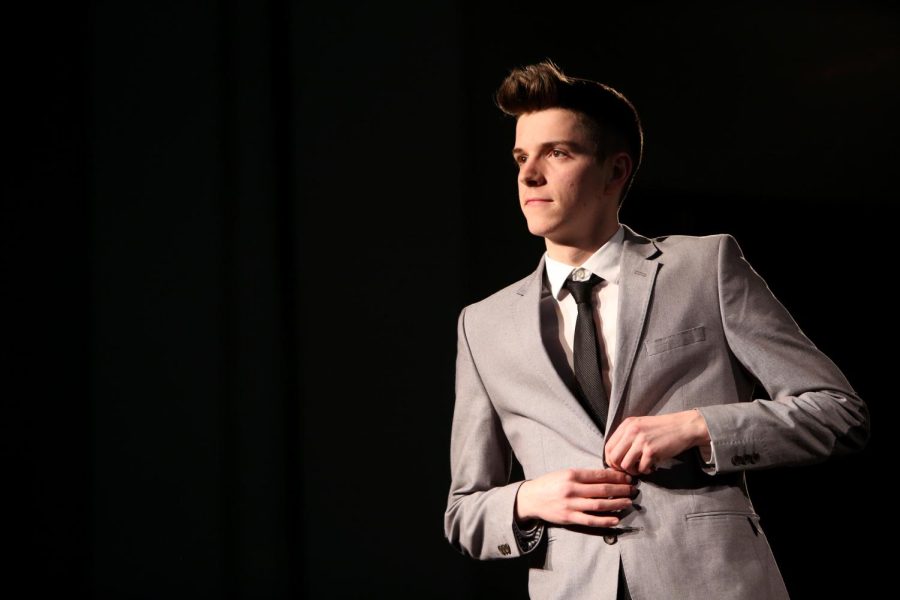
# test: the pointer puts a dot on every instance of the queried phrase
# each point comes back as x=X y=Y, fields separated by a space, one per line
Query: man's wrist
x=701 y=431
x=523 y=519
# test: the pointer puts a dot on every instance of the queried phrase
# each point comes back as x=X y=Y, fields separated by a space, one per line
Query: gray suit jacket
x=697 y=327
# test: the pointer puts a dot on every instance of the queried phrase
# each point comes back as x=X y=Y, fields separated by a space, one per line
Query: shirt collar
x=603 y=263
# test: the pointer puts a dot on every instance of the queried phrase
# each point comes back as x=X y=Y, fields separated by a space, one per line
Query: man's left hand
x=639 y=444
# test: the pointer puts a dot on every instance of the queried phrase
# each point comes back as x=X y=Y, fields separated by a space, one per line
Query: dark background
x=236 y=237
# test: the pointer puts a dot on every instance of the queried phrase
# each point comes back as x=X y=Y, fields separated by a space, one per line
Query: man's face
x=564 y=192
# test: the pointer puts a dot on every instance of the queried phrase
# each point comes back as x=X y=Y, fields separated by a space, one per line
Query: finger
x=611 y=453
x=631 y=461
x=589 y=520
x=647 y=463
x=612 y=458
x=614 y=437
x=602 y=490
x=600 y=476
x=617 y=447
x=599 y=504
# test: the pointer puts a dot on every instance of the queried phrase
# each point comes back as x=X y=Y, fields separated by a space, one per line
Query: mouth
x=538 y=201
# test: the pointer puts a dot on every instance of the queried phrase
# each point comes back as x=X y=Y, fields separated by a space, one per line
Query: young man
x=620 y=374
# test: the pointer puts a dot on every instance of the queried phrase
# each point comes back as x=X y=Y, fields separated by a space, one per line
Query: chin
x=539 y=231
x=540 y=228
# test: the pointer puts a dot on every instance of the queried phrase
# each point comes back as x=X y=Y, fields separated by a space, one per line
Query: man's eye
x=557 y=153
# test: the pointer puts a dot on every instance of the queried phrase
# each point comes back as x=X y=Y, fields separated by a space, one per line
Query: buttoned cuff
x=528 y=539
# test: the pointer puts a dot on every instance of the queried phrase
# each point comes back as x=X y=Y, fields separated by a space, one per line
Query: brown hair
x=609 y=117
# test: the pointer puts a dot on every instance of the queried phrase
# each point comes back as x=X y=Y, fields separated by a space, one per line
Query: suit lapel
x=637 y=277
x=527 y=315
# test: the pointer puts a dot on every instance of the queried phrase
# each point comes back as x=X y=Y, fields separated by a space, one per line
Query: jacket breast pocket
x=676 y=340
x=726 y=518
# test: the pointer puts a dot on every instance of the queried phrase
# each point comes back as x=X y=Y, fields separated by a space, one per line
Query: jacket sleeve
x=813 y=412
x=479 y=520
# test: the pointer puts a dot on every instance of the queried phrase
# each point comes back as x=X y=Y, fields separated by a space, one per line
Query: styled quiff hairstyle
x=608 y=116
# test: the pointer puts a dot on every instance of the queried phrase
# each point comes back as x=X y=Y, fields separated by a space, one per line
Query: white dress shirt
x=605 y=263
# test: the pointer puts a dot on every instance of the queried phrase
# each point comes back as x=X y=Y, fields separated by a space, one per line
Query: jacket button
x=610 y=539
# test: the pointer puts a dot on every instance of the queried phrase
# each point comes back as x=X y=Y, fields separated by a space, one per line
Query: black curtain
x=236 y=237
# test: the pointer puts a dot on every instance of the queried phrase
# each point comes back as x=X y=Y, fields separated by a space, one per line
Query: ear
x=621 y=169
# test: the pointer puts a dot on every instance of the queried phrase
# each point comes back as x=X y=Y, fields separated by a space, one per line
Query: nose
x=530 y=173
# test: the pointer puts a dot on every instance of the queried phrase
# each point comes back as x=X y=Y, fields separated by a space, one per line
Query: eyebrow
x=573 y=145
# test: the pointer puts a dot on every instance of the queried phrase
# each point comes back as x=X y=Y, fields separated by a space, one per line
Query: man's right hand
x=571 y=496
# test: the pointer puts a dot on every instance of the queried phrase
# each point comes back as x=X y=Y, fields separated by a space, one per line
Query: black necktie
x=588 y=355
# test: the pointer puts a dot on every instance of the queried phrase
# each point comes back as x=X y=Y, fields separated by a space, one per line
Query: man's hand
x=571 y=496
x=640 y=443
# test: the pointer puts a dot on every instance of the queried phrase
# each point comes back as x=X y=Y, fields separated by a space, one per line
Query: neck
x=575 y=252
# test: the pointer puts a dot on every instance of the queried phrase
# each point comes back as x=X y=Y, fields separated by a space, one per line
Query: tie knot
x=581 y=290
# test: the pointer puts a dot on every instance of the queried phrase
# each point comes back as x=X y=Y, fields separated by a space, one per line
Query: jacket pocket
x=676 y=340
x=725 y=516
x=721 y=514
